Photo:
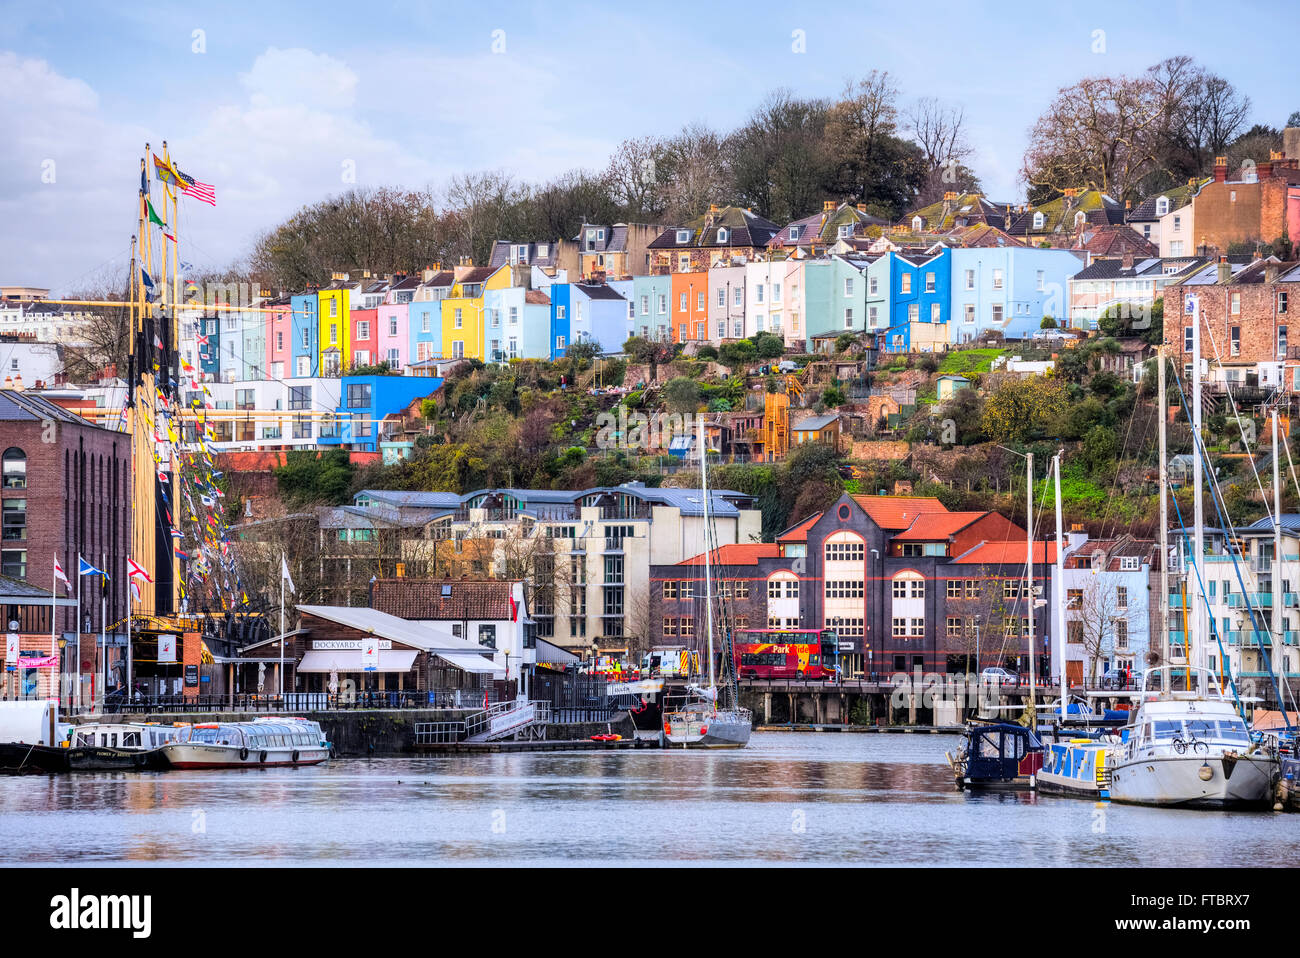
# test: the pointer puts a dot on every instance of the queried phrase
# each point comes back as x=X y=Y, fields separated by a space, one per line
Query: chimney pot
x=828 y=205
x=1220 y=169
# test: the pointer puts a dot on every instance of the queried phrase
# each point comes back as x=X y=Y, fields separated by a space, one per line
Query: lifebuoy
x=295 y=756
x=243 y=754
x=262 y=756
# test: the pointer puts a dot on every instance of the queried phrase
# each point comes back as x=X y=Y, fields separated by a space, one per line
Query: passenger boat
x=27 y=738
x=1190 y=748
x=262 y=743
x=107 y=746
x=996 y=755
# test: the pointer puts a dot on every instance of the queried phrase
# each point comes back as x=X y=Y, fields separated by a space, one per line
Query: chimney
x=1127 y=259
x=862 y=207
x=828 y=206
x=1225 y=271
x=1220 y=169
x=1266 y=168
x=1270 y=273
x=1191 y=181
x=401 y=570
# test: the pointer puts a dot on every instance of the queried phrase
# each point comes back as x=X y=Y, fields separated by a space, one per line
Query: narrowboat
x=262 y=743
x=1078 y=767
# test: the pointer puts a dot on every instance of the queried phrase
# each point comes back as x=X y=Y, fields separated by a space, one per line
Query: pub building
x=327 y=647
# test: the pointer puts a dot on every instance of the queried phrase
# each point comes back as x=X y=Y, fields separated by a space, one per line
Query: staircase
x=502 y=721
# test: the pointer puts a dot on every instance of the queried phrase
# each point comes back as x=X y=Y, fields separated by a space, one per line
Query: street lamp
x=63 y=643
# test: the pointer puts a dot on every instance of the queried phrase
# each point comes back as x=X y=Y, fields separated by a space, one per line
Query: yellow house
x=334 y=310
x=462 y=310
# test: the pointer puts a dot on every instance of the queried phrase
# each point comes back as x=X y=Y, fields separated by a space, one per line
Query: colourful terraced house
x=304 y=336
x=334 y=337
x=919 y=301
x=463 y=324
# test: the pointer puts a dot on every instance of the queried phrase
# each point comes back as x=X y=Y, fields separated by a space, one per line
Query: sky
x=279 y=105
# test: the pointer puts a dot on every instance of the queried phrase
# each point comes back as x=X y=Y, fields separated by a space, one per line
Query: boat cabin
x=257 y=735
x=122 y=736
x=1001 y=754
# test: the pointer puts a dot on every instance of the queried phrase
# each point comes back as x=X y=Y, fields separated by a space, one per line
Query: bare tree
x=939 y=130
x=481 y=201
x=1095 y=611
x=634 y=178
x=694 y=172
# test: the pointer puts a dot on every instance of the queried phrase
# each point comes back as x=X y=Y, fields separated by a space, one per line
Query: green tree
x=681 y=394
x=1049 y=322
x=1021 y=409
x=315 y=478
x=768 y=346
x=738 y=354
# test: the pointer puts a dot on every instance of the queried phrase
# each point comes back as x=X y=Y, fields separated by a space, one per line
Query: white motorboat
x=262 y=743
x=1189 y=747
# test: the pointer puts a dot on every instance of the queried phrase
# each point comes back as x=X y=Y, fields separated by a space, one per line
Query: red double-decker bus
x=785 y=653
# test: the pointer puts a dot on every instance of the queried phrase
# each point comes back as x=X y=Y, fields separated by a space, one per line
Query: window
x=1188 y=332
x=1162 y=206
x=1234 y=337
x=1042 y=278
x=670 y=626
x=15 y=520
x=1121 y=597
x=15 y=468
x=1129 y=563
x=334 y=334
x=1178 y=223
x=997 y=313
x=795 y=231
x=1121 y=635
x=997 y=279
x=872 y=285
x=848 y=319
x=1236 y=304
x=1039 y=221
x=1281 y=342
x=848 y=286
x=683 y=236
x=845 y=552
x=303 y=366
x=13 y=563
x=954 y=588
x=905 y=283
x=900 y=628
x=969 y=313
x=300 y=397
x=929 y=282
x=871 y=314
x=970 y=279
x=301 y=427
x=458 y=348
x=935 y=315
x=279 y=340
x=776 y=292
x=1074 y=598
x=954 y=626
x=363 y=329
x=1281 y=301
x=699 y=302
x=360 y=425
x=913 y=312
x=844 y=589
x=723 y=234
x=334 y=308
x=358 y=395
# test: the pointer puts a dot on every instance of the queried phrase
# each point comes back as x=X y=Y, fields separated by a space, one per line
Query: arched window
x=15 y=468
x=1039 y=220
x=845 y=547
x=1080 y=218
x=723 y=235
x=908 y=585
x=1162 y=206
x=917 y=223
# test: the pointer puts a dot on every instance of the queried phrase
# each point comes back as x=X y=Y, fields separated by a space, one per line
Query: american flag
x=204 y=192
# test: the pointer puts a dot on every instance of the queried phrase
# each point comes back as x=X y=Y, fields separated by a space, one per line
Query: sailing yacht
x=1186 y=745
x=699 y=722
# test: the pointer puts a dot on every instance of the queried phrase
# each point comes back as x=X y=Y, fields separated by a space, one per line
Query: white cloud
x=300 y=77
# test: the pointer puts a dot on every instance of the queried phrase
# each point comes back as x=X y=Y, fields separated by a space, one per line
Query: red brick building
x=1257 y=206
x=1249 y=336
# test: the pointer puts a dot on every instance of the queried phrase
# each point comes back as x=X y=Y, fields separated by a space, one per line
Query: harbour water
x=789 y=798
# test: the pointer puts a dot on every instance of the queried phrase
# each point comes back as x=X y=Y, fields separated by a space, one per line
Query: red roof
x=932 y=526
x=799 y=532
x=898 y=512
x=742 y=553
x=1007 y=553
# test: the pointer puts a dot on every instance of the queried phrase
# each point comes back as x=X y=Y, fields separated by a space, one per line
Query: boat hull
x=198 y=755
x=1175 y=780
x=97 y=758
x=17 y=758
x=1076 y=770
x=718 y=730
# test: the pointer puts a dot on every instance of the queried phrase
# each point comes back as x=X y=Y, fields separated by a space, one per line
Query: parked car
x=1000 y=676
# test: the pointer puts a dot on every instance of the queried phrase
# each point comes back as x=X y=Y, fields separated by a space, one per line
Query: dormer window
x=600 y=235
x=683 y=236
x=1039 y=220
x=542 y=250
x=1162 y=206
x=1080 y=217
x=917 y=223
x=795 y=231
x=723 y=234
x=845 y=232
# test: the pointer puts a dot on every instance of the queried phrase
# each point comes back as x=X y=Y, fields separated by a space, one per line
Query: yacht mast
x=1029 y=582
x=708 y=583
x=1060 y=578
x=1277 y=654
x=1164 y=520
x=1196 y=654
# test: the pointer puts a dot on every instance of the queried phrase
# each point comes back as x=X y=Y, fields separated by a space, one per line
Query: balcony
x=614 y=544
x=1258 y=600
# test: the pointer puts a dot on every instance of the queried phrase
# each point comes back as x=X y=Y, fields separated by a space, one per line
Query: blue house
x=560 y=338
x=366 y=400
x=650 y=296
x=920 y=292
x=1009 y=290
x=598 y=314
x=305 y=325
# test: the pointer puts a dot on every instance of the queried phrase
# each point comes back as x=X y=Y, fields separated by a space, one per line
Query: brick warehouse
x=904 y=583
x=66 y=489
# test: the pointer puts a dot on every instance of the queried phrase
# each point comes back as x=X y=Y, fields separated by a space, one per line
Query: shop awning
x=469 y=662
x=390 y=660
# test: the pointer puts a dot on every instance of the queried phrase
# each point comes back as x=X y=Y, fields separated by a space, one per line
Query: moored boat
x=1078 y=767
x=262 y=743
x=109 y=746
x=996 y=755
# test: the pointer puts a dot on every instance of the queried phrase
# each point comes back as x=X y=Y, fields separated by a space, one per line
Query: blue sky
x=282 y=100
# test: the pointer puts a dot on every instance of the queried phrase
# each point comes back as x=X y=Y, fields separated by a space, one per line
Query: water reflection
x=789 y=797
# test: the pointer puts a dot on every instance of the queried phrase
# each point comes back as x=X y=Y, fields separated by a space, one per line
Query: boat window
x=1167 y=730
x=1203 y=729
x=112 y=740
x=131 y=738
x=986 y=745
x=1233 y=731
x=203 y=735
x=84 y=739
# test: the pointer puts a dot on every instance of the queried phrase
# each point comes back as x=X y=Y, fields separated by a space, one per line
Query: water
x=787 y=798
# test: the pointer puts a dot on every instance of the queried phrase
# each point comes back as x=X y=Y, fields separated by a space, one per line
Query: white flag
x=284 y=573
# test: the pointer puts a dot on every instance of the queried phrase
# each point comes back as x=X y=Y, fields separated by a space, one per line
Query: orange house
x=689 y=307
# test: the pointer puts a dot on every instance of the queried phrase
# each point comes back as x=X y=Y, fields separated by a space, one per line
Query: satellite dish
x=1153 y=657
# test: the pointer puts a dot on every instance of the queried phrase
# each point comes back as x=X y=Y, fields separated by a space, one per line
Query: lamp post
x=63 y=643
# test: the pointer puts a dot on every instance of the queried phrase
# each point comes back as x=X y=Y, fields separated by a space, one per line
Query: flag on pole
x=135 y=569
x=203 y=192
x=153 y=215
x=85 y=568
x=60 y=574
x=135 y=590
x=284 y=573
x=166 y=172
